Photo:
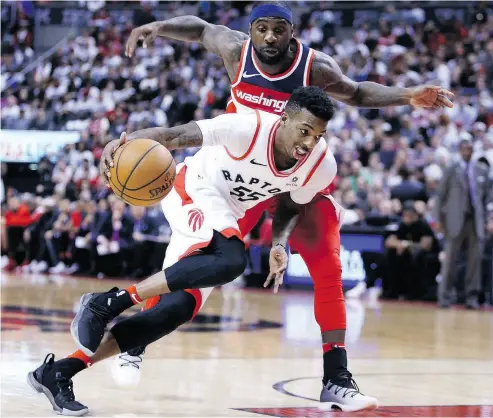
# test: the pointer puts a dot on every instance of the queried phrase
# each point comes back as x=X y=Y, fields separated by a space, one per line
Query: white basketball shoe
x=345 y=398
x=126 y=367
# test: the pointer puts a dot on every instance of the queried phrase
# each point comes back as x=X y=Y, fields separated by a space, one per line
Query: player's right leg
x=54 y=378
x=317 y=239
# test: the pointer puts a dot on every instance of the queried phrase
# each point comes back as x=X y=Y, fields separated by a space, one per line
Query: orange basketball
x=143 y=172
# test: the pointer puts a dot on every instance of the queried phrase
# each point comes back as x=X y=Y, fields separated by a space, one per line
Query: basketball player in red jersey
x=264 y=69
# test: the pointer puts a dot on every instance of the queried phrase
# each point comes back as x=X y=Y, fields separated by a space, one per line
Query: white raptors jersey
x=237 y=161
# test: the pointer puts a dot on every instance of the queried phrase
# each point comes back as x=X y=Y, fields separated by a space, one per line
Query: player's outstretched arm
x=327 y=75
x=217 y=39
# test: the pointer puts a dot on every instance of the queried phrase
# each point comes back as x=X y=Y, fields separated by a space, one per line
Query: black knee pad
x=231 y=260
x=219 y=263
x=145 y=327
x=234 y=263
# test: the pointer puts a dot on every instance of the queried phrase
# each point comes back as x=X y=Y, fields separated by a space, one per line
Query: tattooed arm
x=183 y=136
x=233 y=131
x=220 y=40
x=326 y=74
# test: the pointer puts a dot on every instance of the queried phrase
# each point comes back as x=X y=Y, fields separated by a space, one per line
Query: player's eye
x=304 y=132
x=279 y=30
x=261 y=30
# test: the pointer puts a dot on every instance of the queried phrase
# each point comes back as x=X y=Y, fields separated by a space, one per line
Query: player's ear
x=284 y=118
x=250 y=30
x=292 y=31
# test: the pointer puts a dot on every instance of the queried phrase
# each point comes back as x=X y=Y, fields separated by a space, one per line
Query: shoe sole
x=39 y=388
x=334 y=406
x=74 y=326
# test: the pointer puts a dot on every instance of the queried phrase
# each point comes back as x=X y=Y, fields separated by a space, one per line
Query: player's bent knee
x=232 y=265
x=145 y=327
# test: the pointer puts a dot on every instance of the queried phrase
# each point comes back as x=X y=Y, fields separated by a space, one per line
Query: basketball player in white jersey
x=212 y=191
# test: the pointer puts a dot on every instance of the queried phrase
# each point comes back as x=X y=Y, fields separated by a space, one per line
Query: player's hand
x=431 y=97
x=146 y=33
x=278 y=262
x=106 y=161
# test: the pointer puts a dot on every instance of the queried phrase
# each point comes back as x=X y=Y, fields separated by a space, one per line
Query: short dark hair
x=408 y=205
x=312 y=99
x=404 y=172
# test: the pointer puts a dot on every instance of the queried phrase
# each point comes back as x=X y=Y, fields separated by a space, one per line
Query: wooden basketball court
x=253 y=353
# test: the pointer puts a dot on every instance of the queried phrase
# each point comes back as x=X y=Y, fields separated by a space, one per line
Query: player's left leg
x=317 y=239
x=54 y=378
x=221 y=260
x=126 y=367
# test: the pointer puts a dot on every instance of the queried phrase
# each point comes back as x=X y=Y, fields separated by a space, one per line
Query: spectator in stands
x=114 y=241
x=62 y=175
x=85 y=172
x=162 y=238
x=463 y=205
x=34 y=236
x=412 y=258
x=57 y=240
x=17 y=218
x=84 y=238
x=408 y=189
x=144 y=236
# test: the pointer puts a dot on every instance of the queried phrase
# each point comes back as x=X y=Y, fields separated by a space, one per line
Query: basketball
x=143 y=172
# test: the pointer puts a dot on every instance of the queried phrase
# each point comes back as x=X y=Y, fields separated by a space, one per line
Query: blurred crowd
x=85 y=236
x=387 y=158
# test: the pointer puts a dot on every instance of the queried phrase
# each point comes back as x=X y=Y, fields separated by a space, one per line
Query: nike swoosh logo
x=249 y=75
x=134 y=297
x=256 y=163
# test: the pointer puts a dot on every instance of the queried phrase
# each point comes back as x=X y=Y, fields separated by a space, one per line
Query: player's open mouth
x=299 y=153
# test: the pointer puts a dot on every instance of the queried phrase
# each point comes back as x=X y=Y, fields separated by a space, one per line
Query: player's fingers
x=103 y=164
x=131 y=43
x=123 y=138
x=279 y=282
x=104 y=170
x=447 y=93
x=281 y=268
x=276 y=285
x=444 y=101
x=104 y=176
x=149 y=40
x=269 y=278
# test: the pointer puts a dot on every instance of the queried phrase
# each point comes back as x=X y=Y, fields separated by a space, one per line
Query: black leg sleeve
x=222 y=262
x=145 y=327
